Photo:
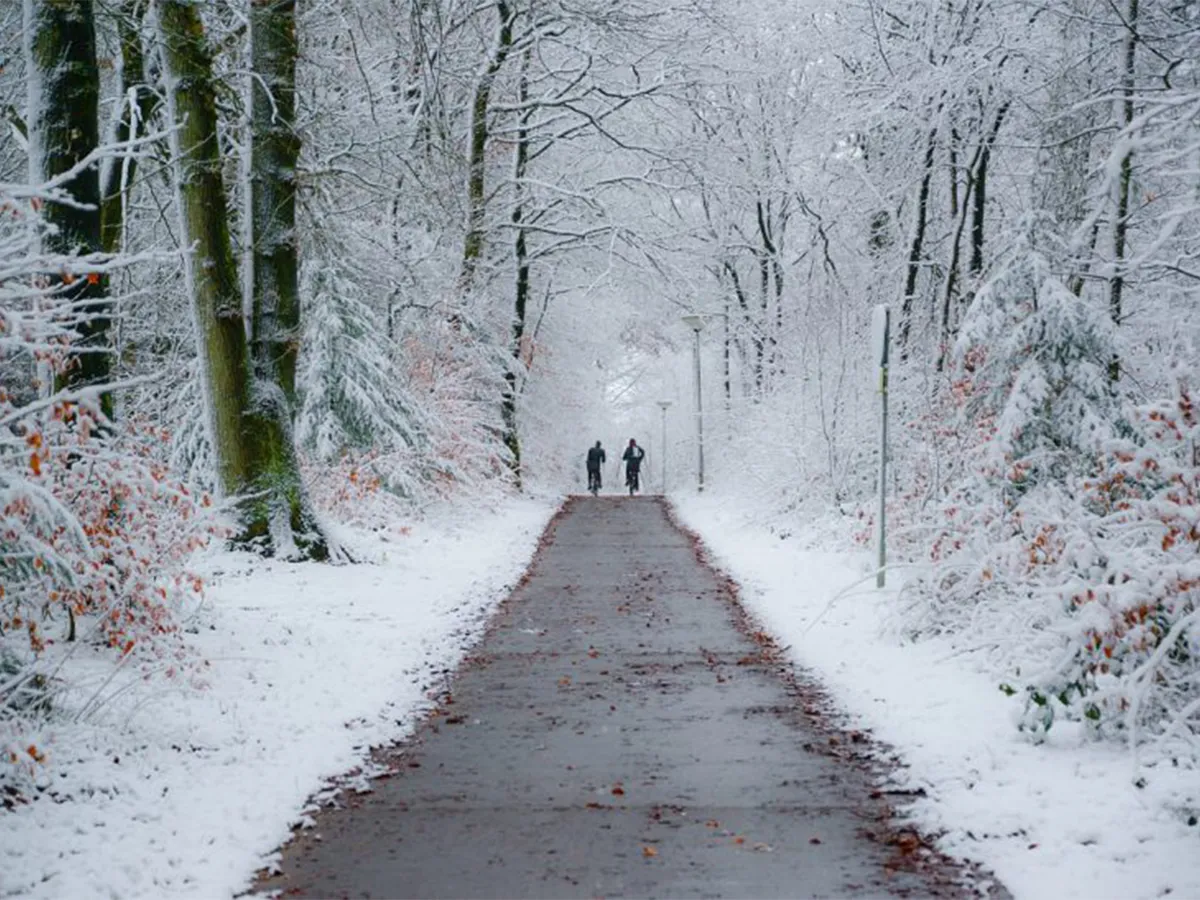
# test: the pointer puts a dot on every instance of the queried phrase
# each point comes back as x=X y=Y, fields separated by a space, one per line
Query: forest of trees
x=260 y=259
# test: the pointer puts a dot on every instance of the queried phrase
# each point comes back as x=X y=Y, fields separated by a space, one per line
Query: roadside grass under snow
x=174 y=791
x=1062 y=820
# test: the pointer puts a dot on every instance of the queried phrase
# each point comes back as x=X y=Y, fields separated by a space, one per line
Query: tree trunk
x=512 y=438
x=477 y=164
x=256 y=464
x=1116 y=284
x=63 y=128
x=726 y=352
x=137 y=110
x=739 y=292
x=979 y=179
x=775 y=278
x=275 y=152
x=916 y=250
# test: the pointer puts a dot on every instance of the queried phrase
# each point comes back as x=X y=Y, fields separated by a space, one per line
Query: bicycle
x=632 y=480
x=594 y=483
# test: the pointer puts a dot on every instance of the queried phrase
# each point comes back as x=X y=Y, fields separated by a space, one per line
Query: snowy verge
x=187 y=792
x=1056 y=821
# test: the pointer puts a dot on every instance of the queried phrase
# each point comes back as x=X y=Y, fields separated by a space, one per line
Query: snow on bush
x=94 y=533
x=1063 y=539
x=355 y=413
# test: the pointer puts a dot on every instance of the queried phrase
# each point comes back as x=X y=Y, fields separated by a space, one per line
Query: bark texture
x=512 y=378
x=274 y=156
x=479 y=137
x=139 y=105
x=1124 y=180
x=256 y=463
x=64 y=89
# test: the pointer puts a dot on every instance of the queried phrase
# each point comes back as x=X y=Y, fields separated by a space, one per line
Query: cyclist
x=633 y=457
x=595 y=459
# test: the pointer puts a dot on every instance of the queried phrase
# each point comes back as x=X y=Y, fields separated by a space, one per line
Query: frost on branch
x=1036 y=357
x=1069 y=549
x=354 y=408
x=94 y=533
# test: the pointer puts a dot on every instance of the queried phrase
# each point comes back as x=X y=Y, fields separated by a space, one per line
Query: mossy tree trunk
x=63 y=129
x=256 y=463
x=512 y=378
x=139 y=105
x=275 y=152
x=479 y=137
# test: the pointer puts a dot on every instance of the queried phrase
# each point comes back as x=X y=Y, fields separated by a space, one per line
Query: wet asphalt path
x=614 y=735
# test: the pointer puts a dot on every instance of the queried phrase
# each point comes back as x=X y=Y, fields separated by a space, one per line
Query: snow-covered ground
x=1056 y=821
x=186 y=793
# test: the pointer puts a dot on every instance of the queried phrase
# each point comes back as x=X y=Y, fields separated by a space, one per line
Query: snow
x=188 y=792
x=1061 y=820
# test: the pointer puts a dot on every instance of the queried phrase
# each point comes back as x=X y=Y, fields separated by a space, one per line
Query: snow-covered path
x=1068 y=819
x=168 y=794
x=617 y=733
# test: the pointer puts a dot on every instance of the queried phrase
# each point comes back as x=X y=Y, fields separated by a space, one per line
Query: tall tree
x=63 y=129
x=1120 y=234
x=480 y=136
x=251 y=433
x=138 y=105
x=275 y=150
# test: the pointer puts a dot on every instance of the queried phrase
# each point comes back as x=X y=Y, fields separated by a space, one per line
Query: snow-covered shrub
x=1037 y=357
x=1130 y=663
x=94 y=533
x=355 y=413
x=1064 y=540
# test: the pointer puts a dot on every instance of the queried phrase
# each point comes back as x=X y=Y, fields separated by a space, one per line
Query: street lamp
x=696 y=323
x=664 y=405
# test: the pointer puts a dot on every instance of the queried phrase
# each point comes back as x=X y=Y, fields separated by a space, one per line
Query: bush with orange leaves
x=1086 y=593
x=1063 y=537
x=1131 y=660
x=95 y=534
x=95 y=539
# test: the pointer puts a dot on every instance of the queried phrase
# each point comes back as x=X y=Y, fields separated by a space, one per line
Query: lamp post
x=696 y=323
x=664 y=405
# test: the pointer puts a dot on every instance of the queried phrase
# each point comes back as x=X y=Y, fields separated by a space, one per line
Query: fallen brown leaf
x=649 y=852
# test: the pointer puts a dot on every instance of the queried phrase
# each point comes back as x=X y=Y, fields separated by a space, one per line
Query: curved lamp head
x=693 y=321
x=663 y=404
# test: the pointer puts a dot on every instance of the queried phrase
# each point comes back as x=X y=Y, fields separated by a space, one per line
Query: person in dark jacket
x=595 y=460
x=633 y=457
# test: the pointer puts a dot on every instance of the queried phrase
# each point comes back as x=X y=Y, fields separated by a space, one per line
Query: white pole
x=699 y=419
x=880 y=328
x=664 y=405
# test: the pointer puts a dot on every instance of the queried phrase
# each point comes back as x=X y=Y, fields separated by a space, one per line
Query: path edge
x=381 y=761
x=914 y=849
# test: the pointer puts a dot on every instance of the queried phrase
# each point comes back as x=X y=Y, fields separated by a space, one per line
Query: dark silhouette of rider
x=595 y=460
x=633 y=457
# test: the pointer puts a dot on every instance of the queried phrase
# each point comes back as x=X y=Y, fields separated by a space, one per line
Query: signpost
x=880 y=326
x=695 y=322
x=664 y=405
